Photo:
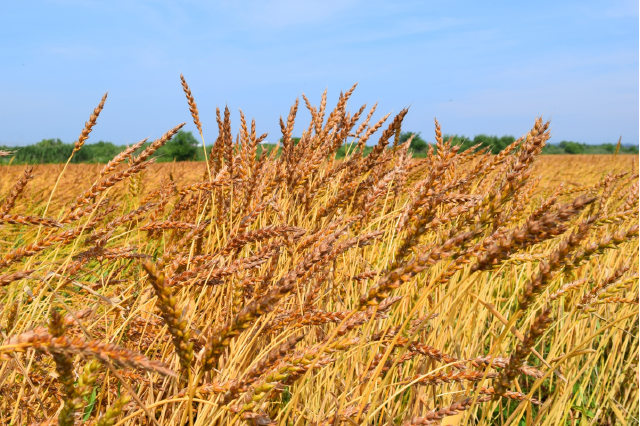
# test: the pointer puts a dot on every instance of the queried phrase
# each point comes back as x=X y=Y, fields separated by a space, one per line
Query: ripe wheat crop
x=287 y=287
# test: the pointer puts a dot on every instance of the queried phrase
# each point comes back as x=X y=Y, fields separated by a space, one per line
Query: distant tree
x=505 y=141
x=182 y=147
x=494 y=143
x=294 y=139
x=550 y=149
x=572 y=147
x=485 y=141
x=609 y=147
x=417 y=143
x=49 y=143
x=99 y=152
x=462 y=141
x=45 y=151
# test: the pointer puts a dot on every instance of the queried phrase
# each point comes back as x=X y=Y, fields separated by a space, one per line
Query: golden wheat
x=292 y=288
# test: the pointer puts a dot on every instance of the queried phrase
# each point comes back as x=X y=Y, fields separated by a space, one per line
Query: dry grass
x=460 y=289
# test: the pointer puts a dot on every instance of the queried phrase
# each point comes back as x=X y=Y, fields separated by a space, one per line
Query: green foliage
x=182 y=147
x=91 y=399
x=418 y=145
x=100 y=152
x=55 y=151
x=45 y=151
x=494 y=143
x=497 y=144
x=294 y=139
x=342 y=151
x=569 y=147
x=551 y=149
x=572 y=147
x=267 y=147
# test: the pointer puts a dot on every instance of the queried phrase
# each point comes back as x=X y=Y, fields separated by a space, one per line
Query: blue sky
x=479 y=67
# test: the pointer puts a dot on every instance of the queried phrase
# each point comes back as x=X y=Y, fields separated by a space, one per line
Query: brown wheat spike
x=7 y=279
x=77 y=213
x=64 y=364
x=344 y=414
x=548 y=226
x=287 y=143
x=32 y=249
x=517 y=359
x=48 y=422
x=442 y=377
x=208 y=276
x=100 y=236
x=12 y=315
x=602 y=287
x=366 y=276
x=610 y=241
x=403 y=273
x=167 y=225
x=17 y=219
x=451 y=410
x=616 y=218
x=241 y=240
x=155 y=145
x=240 y=322
x=215 y=157
x=384 y=139
x=171 y=314
x=567 y=288
x=107 y=183
x=42 y=341
x=16 y=190
x=277 y=353
x=294 y=367
x=193 y=107
x=320 y=116
x=548 y=268
x=71 y=319
x=518 y=396
x=209 y=388
x=111 y=165
x=221 y=179
x=631 y=201
x=617 y=300
x=227 y=140
x=88 y=126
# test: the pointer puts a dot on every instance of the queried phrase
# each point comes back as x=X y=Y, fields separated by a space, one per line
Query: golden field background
x=462 y=288
x=574 y=170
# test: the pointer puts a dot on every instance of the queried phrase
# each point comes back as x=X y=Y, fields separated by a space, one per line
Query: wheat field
x=290 y=288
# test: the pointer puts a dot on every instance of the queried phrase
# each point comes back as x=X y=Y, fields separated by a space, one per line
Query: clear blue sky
x=479 y=67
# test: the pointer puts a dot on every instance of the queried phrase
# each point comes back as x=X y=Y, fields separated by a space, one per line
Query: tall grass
x=291 y=289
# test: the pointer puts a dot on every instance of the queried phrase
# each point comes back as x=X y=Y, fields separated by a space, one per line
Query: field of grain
x=462 y=288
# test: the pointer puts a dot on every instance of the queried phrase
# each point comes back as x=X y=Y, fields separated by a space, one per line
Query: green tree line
x=182 y=147
x=496 y=144
x=185 y=147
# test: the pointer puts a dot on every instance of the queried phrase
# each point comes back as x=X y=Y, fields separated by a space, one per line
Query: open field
x=463 y=288
x=573 y=170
